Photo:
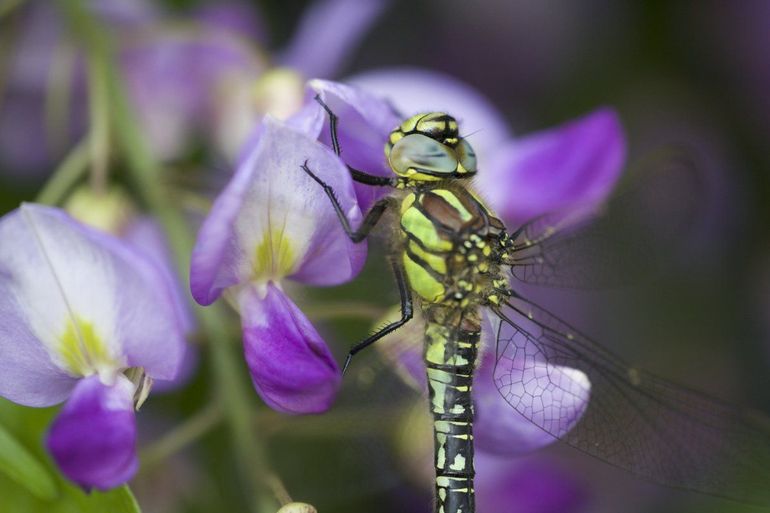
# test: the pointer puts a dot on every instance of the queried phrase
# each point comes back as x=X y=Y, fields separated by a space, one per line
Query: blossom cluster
x=91 y=316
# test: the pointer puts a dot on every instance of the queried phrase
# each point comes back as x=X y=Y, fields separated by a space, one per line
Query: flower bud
x=109 y=211
x=297 y=507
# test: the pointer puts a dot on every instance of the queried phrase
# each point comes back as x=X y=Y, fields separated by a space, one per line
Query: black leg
x=371 y=219
x=406 y=314
x=358 y=176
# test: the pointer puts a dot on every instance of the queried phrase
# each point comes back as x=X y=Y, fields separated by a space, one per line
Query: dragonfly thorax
x=451 y=247
x=428 y=148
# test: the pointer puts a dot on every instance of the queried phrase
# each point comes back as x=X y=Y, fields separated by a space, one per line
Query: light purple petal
x=274 y=221
x=570 y=166
x=173 y=78
x=518 y=379
x=291 y=366
x=532 y=485
x=328 y=33
x=125 y=13
x=145 y=234
x=499 y=428
x=415 y=90
x=57 y=272
x=93 y=439
x=27 y=374
x=29 y=143
x=365 y=121
x=235 y=17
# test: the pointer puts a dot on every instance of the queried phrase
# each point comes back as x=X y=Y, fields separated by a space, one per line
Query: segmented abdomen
x=450 y=359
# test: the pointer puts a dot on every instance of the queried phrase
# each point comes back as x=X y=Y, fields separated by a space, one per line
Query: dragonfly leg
x=358 y=176
x=407 y=311
x=369 y=222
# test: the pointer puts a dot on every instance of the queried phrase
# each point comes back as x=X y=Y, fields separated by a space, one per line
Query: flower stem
x=345 y=310
x=69 y=172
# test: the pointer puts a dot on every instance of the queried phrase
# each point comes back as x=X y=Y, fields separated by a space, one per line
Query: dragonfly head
x=427 y=147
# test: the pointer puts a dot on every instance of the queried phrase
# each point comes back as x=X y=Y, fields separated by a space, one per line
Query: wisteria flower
x=80 y=314
x=203 y=78
x=269 y=225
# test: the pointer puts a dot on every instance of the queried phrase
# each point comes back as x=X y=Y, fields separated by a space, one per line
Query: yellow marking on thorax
x=436 y=262
x=419 y=226
x=453 y=200
x=422 y=282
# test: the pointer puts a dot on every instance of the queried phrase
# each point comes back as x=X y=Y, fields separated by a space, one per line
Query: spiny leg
x=369 y=222
x=406 y=315
x=358 y=176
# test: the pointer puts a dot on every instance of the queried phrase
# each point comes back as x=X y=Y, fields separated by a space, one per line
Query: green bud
x=110 y=211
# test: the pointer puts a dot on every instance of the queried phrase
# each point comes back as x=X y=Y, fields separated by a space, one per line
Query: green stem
x=234 y=392
x=98 y=112
x=345 y=310
x=181 y=436
x=64 y=178
x=8 y=6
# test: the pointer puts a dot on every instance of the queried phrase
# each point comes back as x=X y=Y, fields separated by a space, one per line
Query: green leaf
x=21 y=466
x=118 y=500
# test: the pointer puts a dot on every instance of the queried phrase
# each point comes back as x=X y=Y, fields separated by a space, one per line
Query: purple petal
x=571 y=166
x=291 y=366
x=414 y=90
x=327 y=33
x=58 y=273
x=274 y=221
x=365 y=121
x=93 y=439
x=532 y=485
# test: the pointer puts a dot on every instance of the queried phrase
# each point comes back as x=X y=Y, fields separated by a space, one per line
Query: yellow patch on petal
x=274 y=256
x=81 y=349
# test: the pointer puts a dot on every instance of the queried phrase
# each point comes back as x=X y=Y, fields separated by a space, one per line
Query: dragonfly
x=456 y=262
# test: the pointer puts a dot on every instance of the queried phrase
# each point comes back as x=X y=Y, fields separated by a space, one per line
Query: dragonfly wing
x=634 y=419
x=634 y=235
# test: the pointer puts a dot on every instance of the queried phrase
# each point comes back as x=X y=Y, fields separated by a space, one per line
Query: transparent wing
x=633 y=419
x=635 y=234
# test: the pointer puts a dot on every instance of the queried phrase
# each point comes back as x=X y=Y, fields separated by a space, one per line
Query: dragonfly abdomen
x=450 y=357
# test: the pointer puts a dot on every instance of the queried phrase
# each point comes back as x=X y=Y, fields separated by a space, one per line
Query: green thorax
x=450 y=243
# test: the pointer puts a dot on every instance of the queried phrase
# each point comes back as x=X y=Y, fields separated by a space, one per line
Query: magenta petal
x=291 y=366
x=93 y=439
x=573 y=165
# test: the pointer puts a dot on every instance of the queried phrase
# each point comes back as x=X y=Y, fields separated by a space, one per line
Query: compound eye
x=466 y=156
x=422 y=153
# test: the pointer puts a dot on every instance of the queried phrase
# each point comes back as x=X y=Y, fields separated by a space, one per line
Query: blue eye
x=422 y=153
x=466 y=156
